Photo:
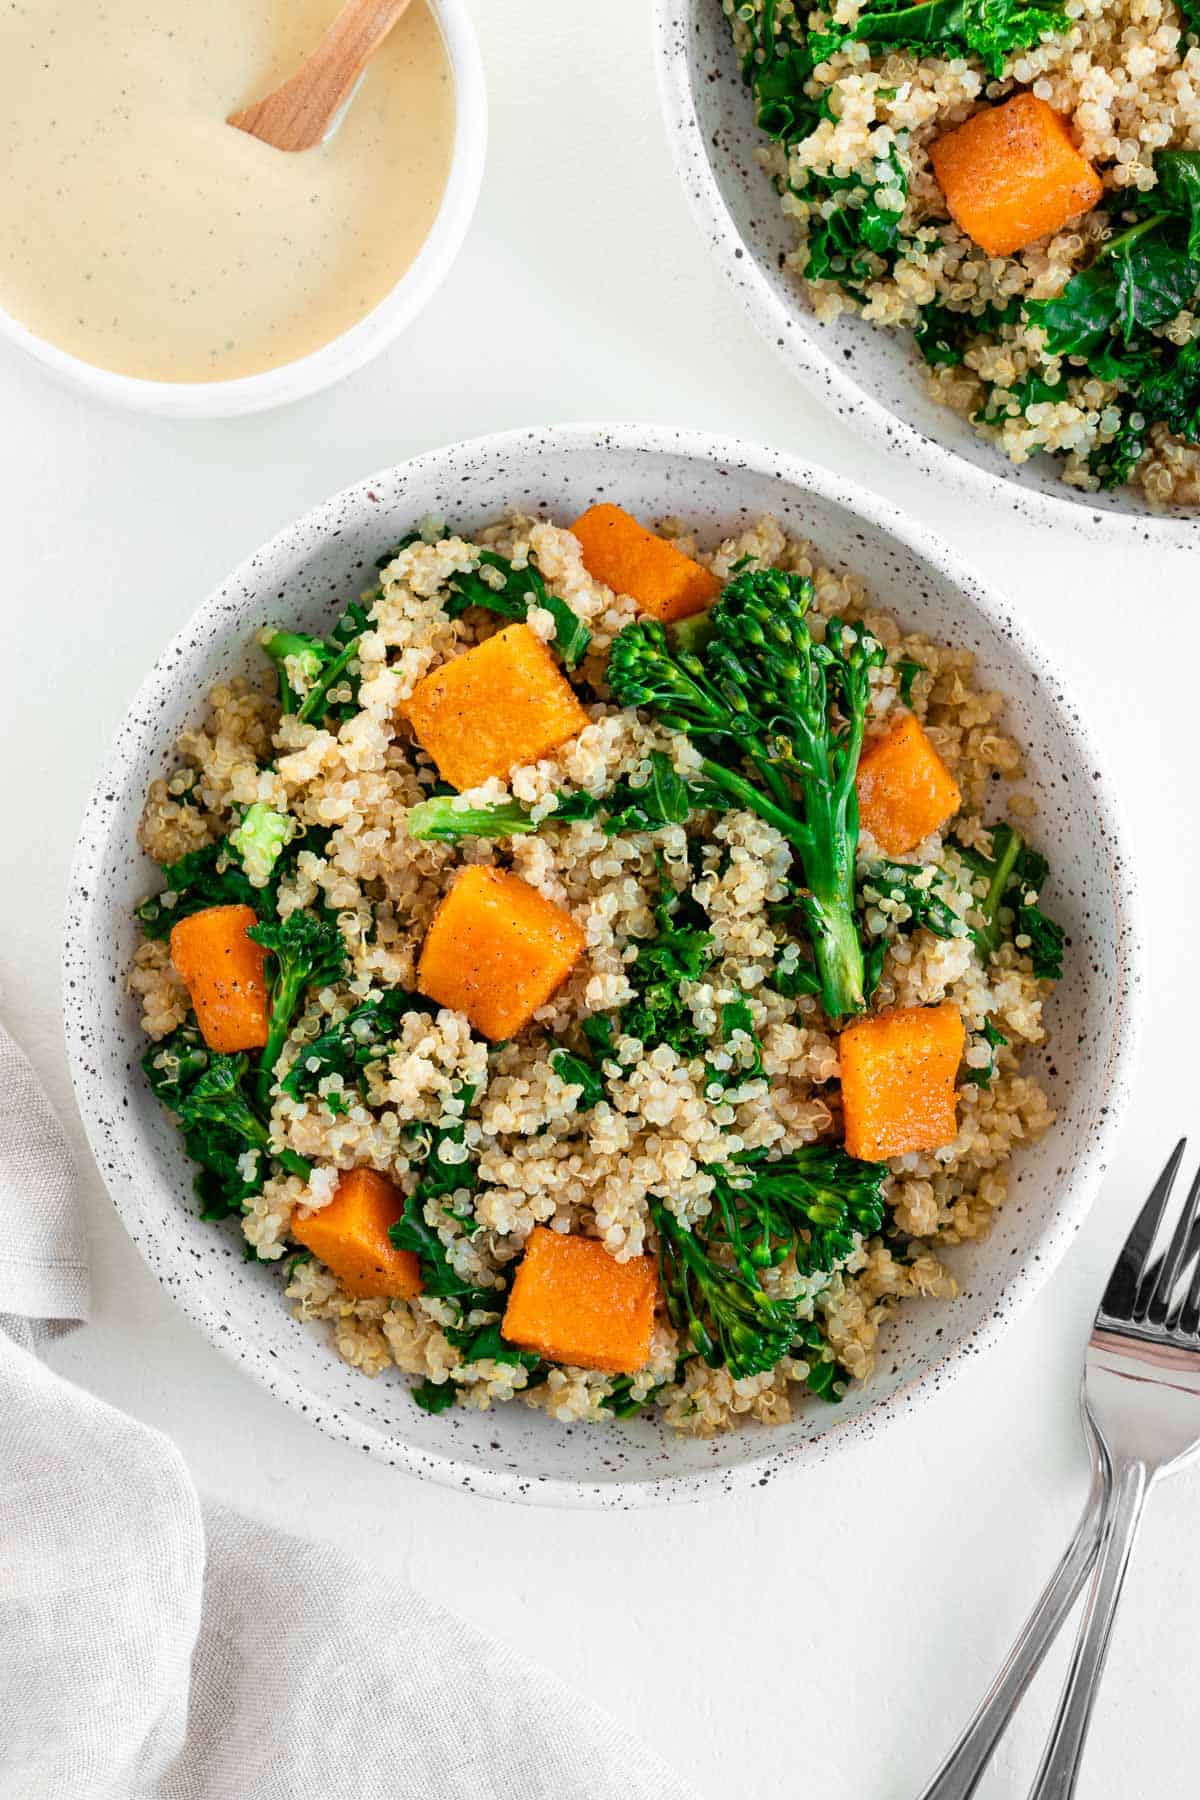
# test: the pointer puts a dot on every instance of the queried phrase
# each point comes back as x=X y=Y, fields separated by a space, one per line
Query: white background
x=825 y=1637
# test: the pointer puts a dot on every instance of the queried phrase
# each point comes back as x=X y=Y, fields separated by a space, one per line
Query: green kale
x=988 y=29
x=908 y=669
x=779 y=716
x=680 y=952
x=434 y=1396
x=348 y=1048
x=224 y=1131
x=943 y=336
x=1009 y=906
x=737 y=1021
x=994 y=1039
x=207 y=877
x=501 y=587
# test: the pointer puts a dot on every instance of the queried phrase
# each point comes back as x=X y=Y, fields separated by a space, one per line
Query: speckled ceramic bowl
x=304 y=575
x=870 y=376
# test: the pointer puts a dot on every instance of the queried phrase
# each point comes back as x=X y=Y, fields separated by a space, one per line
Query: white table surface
x=823 y=1638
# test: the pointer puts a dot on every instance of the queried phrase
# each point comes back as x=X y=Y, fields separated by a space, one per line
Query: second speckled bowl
x=717 y=486
x=869 y=375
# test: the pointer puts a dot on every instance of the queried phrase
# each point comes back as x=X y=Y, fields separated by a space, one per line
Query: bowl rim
x=362 y=341
x=188 y=1290
x=823 y=373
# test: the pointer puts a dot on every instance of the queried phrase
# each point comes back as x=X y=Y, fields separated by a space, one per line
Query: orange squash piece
x=1012 y=174
x=905 y=790
x=350 y=1236
x=222 y=970
x=496 y=950
x=631 y=560
x=504 y=703
x=899 y=1081
x=574 y=1303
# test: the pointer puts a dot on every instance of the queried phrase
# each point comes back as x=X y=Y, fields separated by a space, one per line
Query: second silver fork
x=1141 y=1405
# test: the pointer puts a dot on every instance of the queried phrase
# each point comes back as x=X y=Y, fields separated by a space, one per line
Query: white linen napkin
x=152 y=1648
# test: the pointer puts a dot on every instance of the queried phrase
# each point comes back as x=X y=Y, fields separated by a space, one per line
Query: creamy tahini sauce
x=143 y=234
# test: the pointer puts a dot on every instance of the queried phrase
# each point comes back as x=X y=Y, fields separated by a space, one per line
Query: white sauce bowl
x=342 y=355
x=868 y=374
x=718 y=486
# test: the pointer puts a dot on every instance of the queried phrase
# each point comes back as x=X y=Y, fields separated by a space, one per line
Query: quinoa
x=512 y=1119
x=1125 y=76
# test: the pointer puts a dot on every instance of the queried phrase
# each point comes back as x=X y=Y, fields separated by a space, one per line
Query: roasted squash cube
x=1012 y=174
x=496 y=950
x=504 y=703
x=223 y=971
x=899 y=1081
x=631 y=560
x=349 y=1234
x=574 y=1303
x=905 y=790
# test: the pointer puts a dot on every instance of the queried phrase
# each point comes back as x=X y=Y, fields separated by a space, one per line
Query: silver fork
x=1141 y=1408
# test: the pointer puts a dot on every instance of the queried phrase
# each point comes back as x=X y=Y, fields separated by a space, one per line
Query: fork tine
x=1154 y=1295
x=1185 y=1315
x=1121 y=1293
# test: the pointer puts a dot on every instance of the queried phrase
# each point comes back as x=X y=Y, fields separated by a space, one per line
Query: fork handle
x=963 y=1769
x=1059 y=1769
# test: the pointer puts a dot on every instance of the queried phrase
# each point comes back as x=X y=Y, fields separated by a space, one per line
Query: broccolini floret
x=812 y=1206
x=306 y=951
x=259 y=840
x=779 y=718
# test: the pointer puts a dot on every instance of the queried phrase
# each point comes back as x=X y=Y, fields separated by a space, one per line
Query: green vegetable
x=511 y=594
x=306 y=952
x=441 y=821
x=665 y=799
x=994 y=1039
x=348 y=1048
x=736 y=1019
x=483 y=1343
x=212 y=1098
x=943 y=336
x=317 y=666
x=785 y=715
x=619 y=1399
x=680 y=952
x=813 y=1205
x=917 y=888
x=725 y=1315
x=259 y=840
x=1013 y=873
x=206 y=877
x=908 y=669
x=988 y=29
x=578 y=1071
x=434 y=1396
x=1107 y=316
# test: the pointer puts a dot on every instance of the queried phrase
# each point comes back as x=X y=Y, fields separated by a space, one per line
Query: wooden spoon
x=299 y=114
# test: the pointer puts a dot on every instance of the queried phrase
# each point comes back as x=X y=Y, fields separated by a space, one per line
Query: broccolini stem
x=746 y=794
x=1009 y=845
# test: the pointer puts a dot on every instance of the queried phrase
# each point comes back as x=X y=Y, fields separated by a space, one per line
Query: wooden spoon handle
x=298 y=114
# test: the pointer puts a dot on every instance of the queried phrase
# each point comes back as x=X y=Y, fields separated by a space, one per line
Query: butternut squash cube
x=349 y=1234
x=496 y=950
x=631 y=560
x=504 y=703
x=1012 y=174
x=899 y=1081
x=574 y=1303
x=905 y=790
x=223 y=971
